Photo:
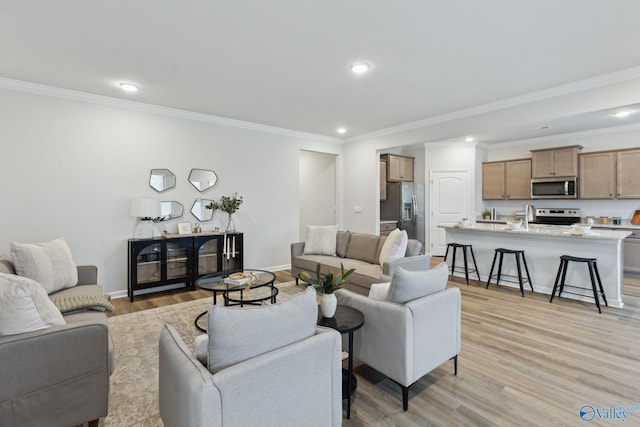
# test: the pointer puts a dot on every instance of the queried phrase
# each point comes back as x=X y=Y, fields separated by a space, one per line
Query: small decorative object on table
x=486 y=214
x=228 y=204
x=325 y=287
x=241 y=279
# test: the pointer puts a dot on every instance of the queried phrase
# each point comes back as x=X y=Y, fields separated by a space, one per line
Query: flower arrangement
x=228 y=204
x=328 y=283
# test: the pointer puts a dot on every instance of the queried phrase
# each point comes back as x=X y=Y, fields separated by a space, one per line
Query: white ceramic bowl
x=581 y=228
x=514 y=225
x=464 y=223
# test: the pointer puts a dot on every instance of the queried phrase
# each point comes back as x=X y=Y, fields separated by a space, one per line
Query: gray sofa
x=362 y=252
x=58 y=376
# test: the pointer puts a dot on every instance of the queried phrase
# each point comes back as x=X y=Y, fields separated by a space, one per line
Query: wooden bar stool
x=519 y=256
x=593 y=274
x=464 y=248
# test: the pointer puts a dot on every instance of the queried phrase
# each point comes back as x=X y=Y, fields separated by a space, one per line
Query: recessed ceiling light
x=623 y=113
x=341 y=130
x=469 y=139
x=129 y=87
x=360 y=67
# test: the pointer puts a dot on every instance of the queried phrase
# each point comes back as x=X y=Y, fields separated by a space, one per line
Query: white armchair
x=254 y=376
x=407 y=340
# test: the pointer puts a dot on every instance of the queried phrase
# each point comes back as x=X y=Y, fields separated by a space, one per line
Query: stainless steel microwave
x=554 y=188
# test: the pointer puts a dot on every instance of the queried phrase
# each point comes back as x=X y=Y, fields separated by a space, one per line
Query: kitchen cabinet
x=383 y=180
x=555 y=162
x=597 y=175
x=507 y=180
x=399 y=168
x=610 y=175
x=628 y=174
x=387 y=227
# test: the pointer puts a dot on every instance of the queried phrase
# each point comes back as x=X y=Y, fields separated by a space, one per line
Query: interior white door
x=449 y=202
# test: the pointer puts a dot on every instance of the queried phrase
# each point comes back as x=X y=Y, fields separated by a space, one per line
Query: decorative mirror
x=162 y=180
x=203 y=179
x=199 y=210
x=171 y=210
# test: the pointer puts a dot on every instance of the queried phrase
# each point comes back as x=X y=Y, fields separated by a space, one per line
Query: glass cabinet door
x=208 y=256
x=177 y=260
x=149 y=264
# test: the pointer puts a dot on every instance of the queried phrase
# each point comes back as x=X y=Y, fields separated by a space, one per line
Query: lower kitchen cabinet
x=163 y=261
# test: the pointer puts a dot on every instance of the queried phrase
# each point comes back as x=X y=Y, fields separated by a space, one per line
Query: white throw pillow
x=25 y=306
x=240 y=333
x=50 y=264
x=408 y=285
x=321 y=240
x=379 y=291
x=394 y=247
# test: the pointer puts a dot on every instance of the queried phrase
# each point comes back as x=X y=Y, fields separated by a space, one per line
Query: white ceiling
x=497 y=69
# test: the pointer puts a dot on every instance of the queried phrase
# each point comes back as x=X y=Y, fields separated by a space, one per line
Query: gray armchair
x=407 y=341
x=295 y=384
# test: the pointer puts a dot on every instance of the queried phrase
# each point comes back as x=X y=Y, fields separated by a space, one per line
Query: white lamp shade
x=145 y=208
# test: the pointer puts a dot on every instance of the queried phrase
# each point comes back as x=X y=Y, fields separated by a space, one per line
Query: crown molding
x=591 y=83
x=73 y=95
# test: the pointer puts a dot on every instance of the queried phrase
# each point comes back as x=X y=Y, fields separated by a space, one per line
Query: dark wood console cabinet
x=162 y=261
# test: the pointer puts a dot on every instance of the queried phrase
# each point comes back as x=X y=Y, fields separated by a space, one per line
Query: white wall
x=71 y=168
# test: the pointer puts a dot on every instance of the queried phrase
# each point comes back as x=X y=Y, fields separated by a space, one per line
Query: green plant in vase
x=326 y=285
x=228 y=204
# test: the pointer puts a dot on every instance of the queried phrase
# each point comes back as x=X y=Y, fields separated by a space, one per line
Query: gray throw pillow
x=237 y=334
x=342 y=243
x=363 y=247
x=409 y=285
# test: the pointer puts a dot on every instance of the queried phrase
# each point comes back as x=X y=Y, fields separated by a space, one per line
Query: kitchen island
x=543 y=246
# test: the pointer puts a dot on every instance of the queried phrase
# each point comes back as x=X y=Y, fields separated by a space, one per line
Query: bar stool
x=592 y=267
x=519 y=255
x=464 y=248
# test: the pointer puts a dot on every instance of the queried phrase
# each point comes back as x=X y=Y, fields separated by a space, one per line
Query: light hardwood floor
x=524 y=361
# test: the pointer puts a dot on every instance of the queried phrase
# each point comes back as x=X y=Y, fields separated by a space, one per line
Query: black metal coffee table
x=346 y=321
x=215 y=283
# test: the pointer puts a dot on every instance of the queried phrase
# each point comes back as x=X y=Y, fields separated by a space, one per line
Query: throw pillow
x=321 y=240
x=379 y=291
x=25 y=306
x=342 y=243
x=240 y=333
x=409 y=285
x=201 y=344
x=363 y=247
x=394 y=246
x=50 y=264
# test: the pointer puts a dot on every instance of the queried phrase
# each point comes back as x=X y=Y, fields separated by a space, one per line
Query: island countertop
x=543 y=246
x=542 y=230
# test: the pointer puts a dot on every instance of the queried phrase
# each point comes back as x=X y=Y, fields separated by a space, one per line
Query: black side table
x=346 y=321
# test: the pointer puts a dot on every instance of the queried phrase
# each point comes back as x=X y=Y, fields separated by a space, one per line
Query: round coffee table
x=215 y=283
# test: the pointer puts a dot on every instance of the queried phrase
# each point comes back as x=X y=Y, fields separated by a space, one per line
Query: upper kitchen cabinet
x=555 y=162
x=510 y=180
x=628 y=174
x=383 y=180
x=399 y=168
x=597 y=175
x=610 y=174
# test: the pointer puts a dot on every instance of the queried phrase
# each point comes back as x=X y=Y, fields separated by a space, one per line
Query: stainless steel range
x=557 y=216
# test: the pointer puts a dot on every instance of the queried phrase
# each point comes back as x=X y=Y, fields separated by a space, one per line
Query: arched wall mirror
x=202 y=179
x=200 y=212
x=171 y=210
x=162 y=180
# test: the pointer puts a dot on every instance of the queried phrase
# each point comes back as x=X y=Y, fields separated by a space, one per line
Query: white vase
x=328 y=304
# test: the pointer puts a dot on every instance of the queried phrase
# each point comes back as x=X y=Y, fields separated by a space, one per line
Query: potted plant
x=486 y=214
x=228 y=204
x=326 y=285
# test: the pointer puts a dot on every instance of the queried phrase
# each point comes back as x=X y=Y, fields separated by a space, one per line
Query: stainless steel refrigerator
x=401 y=206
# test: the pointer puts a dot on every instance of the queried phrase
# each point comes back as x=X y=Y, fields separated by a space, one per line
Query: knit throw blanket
x=84 y=302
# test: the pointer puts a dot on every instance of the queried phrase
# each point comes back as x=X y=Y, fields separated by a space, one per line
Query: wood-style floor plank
x=524 y=361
